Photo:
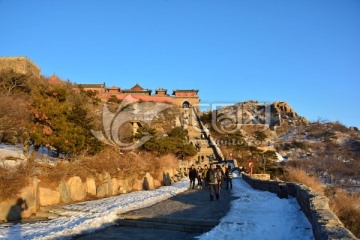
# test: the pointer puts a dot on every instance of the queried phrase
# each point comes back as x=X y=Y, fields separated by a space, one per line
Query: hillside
x=251 y=129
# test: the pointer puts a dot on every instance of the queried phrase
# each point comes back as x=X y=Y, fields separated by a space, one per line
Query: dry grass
x=347 y=208
x=300 y=176
x=13 y=180
x=344 y=205
x=120 y=165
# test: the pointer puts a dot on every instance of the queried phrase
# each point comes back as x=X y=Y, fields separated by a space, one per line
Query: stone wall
x=325 y=224
x=35 y=195
x=20 y=65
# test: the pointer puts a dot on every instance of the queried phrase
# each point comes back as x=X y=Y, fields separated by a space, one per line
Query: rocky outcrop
x=255 y=113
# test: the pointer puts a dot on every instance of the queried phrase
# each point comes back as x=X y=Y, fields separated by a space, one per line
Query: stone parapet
x=325 y=224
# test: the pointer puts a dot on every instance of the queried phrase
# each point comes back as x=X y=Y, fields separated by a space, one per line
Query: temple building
x=182 y=98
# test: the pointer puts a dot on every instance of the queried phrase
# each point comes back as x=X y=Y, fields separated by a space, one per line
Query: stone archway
x=186 y=104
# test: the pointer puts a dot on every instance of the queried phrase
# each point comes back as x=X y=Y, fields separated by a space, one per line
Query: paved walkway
x=192 y=205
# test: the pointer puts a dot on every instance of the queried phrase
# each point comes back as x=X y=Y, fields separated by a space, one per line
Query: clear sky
x=304 y=52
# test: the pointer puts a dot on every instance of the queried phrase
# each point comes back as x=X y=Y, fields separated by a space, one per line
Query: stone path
x=192 y=206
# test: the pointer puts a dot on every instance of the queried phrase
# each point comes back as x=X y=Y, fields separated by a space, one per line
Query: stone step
x=174 y=224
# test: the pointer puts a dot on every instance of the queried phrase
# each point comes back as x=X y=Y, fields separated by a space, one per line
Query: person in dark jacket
x=228 y=177
x=199 y=172
x=212 y=181
x=192 y=176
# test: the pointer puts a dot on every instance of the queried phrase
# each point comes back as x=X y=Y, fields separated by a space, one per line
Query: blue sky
x=304 y=52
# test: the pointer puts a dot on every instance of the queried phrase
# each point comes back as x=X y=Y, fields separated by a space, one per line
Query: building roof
x=137 y=87
x=91 y=85
x=114 y=87
x=145 y=98
x=185 y=90
x=160 y=90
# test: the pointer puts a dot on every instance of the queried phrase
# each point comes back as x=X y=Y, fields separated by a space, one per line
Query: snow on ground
x=89 y=216
x=15 y=151
x=261 y=215
x=254 y=215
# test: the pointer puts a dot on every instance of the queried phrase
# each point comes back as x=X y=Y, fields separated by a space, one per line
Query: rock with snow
x=12 y=152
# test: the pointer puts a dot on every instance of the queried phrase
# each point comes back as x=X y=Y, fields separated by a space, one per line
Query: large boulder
x=12 y=210
x=157 y=183
x=8 y=209
x=148 y=182
x=137 y=185
x=105 y=187
x=103 y=190
x=30 y=195
x=24 y=205
x=124 y=186
x=77 y=188
x=166 y=179
x=91 y=186
x=65 y=195
x=170 y=172
x=48 y=197
x=114 y=186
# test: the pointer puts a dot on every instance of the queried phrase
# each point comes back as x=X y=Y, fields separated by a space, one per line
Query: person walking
x=212 y=182
x=199 y=172
x=192 y=176
x=228 y=176
x=203 y=176
x=220 y=176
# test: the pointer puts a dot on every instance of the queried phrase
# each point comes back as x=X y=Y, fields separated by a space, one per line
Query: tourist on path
x=212 y=182
x=228 y=176
x=220 y=177
x=192 y=176
x=203 y=176
x=199 y=172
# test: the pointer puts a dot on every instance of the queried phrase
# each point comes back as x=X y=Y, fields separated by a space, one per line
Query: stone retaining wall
x=74 y=189
x=325 y=224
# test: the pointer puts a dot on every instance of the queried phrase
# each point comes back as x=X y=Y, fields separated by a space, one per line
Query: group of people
x=211 y=178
